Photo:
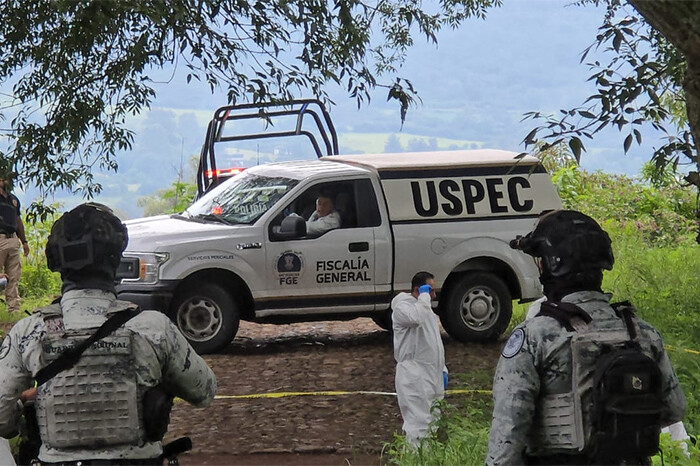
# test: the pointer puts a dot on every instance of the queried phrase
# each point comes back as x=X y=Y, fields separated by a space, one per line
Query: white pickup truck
x=236 y=253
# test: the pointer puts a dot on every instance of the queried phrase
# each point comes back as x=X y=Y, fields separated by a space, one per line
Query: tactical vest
x=8 y=214
x=96 y=403
x=563 y=422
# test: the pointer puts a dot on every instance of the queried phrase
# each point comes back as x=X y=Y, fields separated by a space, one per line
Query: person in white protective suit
x=5 y=453
x=420 y=357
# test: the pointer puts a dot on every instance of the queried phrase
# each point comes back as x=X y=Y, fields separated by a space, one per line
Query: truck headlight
x=142 y=267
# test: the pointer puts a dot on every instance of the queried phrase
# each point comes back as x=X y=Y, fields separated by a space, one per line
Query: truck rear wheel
x=207 y=316
x=479 y=308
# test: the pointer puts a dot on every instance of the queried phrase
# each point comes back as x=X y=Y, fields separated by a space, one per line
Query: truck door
x=325 y=272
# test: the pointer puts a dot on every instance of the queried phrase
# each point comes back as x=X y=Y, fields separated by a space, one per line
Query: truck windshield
x=242 y=199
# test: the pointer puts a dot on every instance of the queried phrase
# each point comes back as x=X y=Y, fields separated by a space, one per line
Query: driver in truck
x=324 y=218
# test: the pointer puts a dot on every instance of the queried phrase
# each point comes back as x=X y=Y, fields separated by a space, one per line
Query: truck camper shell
x=407 y=161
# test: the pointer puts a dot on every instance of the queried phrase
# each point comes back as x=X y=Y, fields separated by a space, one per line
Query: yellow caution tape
x=334 y=393
x=690 y=351
x=465 y=391
x=290 y=394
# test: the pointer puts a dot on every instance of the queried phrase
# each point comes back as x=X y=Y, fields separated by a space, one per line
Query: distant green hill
x=373 y=143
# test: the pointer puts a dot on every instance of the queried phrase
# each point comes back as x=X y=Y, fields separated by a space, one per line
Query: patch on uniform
x=514 y=343
x=54 y=324
x=5 y=347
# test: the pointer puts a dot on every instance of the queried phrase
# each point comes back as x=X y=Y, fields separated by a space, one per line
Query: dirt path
x=309 y=430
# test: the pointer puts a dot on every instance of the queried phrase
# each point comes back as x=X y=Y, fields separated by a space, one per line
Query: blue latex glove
x=444 y=379
x=425 y=289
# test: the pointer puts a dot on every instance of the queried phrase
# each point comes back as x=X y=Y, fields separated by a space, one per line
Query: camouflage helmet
x=567 y=241
x=89 y=237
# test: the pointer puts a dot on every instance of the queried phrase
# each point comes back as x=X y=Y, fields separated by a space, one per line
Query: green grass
x=519 y=313
x=474 y=380
x=458 y=438
x=28 y=305
x=662 y=283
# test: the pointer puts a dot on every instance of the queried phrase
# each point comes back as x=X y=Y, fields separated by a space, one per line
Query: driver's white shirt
x=316 y=225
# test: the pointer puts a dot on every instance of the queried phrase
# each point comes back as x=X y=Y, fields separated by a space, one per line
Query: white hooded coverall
x=420 y=362
x=5 y=453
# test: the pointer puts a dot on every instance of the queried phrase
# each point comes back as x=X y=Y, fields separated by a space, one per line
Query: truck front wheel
x=479 y=308
x=207 y=316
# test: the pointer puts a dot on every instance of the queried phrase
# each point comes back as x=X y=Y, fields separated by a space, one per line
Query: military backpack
x=626 y=396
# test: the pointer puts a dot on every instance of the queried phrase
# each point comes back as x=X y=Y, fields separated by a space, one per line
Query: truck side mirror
x=292 y=227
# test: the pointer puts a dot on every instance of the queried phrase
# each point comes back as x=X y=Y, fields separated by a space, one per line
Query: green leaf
x=575 y=146
x=530 y=138
x=637 y=135
x=617 y=40
x=628 y=142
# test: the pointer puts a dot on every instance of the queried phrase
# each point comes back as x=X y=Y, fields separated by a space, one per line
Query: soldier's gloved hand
x=425 y=289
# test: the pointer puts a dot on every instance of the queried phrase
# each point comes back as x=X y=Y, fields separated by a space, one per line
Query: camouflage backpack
x=625 y=386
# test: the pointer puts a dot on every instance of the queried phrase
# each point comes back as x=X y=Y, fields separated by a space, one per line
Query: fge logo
x=289 y=266
x=456 y=197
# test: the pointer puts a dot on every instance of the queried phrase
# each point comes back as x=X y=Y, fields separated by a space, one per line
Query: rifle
x=30 y=439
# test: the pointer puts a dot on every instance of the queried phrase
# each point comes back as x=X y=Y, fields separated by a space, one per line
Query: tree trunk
x=679 y=22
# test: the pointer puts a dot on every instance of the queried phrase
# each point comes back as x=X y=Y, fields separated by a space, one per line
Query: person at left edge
x=94 y=412
x=12 y=238
x=420 y=357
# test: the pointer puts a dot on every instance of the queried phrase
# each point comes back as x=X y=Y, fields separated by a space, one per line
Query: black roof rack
x=207 y=176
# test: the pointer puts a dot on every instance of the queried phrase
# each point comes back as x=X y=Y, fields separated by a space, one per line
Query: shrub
x=37 y=280
x=663 y=216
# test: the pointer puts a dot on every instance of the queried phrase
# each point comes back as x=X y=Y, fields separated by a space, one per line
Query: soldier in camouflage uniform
x=94 y=413
x=537 y=376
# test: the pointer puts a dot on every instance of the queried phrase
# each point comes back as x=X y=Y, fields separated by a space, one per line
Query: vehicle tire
x=207 y=316
x=383 y=319
x=479 y=308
